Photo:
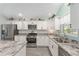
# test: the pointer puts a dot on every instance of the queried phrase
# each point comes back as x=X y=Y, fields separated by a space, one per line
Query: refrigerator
x=8 y=31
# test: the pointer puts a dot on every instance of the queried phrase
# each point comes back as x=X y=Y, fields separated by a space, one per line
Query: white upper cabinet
x=41 y=25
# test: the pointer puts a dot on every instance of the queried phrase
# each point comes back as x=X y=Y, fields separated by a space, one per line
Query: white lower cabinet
x=42 y=40
x=19 y=38
x=53 y=47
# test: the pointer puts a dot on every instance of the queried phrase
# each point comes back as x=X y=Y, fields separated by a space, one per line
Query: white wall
x=75 y=15
x=42 y=40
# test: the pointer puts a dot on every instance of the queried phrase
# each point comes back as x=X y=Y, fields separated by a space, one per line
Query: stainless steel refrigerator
x=8 y=31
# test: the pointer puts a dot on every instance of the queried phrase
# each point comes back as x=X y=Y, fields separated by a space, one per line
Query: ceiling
x=43 y=10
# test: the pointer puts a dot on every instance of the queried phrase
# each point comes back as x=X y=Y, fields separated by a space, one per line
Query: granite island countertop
x=10 y=48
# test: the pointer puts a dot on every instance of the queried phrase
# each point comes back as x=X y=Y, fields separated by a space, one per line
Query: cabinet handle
x=52 y=46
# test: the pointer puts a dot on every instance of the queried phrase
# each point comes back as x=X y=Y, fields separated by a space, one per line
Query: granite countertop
x=31 y=30
x=72 y=49
x=37 y=34
x=10 y=48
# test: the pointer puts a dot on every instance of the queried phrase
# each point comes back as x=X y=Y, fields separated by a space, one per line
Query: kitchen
x=37 y=29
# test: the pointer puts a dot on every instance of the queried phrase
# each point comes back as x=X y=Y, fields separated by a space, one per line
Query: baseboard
x=42 y=46
x=37 y=46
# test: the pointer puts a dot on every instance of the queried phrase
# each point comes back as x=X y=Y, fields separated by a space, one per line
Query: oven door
x=31 y=38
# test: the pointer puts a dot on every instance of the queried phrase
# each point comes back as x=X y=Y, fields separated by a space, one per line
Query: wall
x=75 y=15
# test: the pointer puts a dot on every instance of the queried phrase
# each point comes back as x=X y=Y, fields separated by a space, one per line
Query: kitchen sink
x=77 y=51
x=59 y=40
x=75 y=46
x=62 y=40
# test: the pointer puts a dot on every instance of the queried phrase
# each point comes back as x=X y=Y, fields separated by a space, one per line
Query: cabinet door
x=19 y=25
x=53 y=47
x=26 y=25
x=50 y=45
x=42 y=40
x=20 y=38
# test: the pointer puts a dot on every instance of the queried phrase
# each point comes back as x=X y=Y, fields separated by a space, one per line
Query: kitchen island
x=12 y=48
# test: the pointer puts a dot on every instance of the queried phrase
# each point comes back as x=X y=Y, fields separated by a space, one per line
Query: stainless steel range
x=32 y=36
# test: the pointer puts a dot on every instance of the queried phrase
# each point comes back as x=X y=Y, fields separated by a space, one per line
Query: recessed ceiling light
x=20 y=14
x=49 y=14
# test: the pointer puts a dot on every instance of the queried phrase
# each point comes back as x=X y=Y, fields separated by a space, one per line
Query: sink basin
x=77 y=51
x=59 y=40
